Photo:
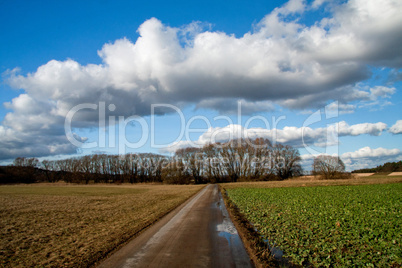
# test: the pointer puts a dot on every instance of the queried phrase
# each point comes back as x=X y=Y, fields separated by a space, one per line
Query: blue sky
x=286 y=62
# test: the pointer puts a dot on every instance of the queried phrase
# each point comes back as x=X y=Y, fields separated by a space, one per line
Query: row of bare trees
x=219 y=162
x=132 y=168
x=240 y=159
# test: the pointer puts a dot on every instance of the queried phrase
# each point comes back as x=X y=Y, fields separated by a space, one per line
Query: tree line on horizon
x=239 y=159
x=385 y=168
x=232 y=161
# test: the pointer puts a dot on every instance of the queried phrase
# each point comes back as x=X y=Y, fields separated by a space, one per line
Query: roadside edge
x=257 y=250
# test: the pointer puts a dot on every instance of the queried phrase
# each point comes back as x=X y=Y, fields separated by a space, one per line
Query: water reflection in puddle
x=226 y=229
x=233 y=239
x=276 y=252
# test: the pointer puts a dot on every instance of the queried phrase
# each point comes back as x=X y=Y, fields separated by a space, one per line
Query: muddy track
x=199 y=233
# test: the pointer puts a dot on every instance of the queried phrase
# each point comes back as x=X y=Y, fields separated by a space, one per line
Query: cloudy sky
x=82 y=77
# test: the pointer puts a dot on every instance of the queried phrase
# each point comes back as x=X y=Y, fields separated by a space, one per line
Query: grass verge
x=76 y=226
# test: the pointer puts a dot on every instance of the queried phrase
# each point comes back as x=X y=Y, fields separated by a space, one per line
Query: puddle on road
x=276 y=252
x=232 y=239
x=226 y=229
x=227 y=225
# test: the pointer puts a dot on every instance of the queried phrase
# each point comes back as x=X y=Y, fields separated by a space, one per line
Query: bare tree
x=175 y=173
x=49 y=167
x=235 y=157
x=261 y=161
x=193 y=161
x=329 y=167
x=213 y=166
x=286 y=161
x=26 y=162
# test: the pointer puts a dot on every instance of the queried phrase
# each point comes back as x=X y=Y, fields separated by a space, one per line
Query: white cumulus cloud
x=367 y=157
x=396 y=128
x=281 y=62
x=298 y=137
x=368 y=152
x=374 y=129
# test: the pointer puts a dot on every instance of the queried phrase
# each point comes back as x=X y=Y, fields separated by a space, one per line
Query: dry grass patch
x=64 y=225
x=395 y=174
x=310 y=181
x=363 y=174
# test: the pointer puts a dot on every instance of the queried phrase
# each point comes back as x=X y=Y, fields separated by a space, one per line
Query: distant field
x=59 y=226
x=311 y=181
x=363 y=174
x=341 y=226
x=395 y=174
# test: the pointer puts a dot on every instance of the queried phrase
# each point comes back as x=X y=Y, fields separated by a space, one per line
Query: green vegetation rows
x=328 y=226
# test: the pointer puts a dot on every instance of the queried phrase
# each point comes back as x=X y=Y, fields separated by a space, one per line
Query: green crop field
x=339 y=226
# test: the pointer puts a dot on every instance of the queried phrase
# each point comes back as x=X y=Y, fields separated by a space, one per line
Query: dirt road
x=197 y=234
